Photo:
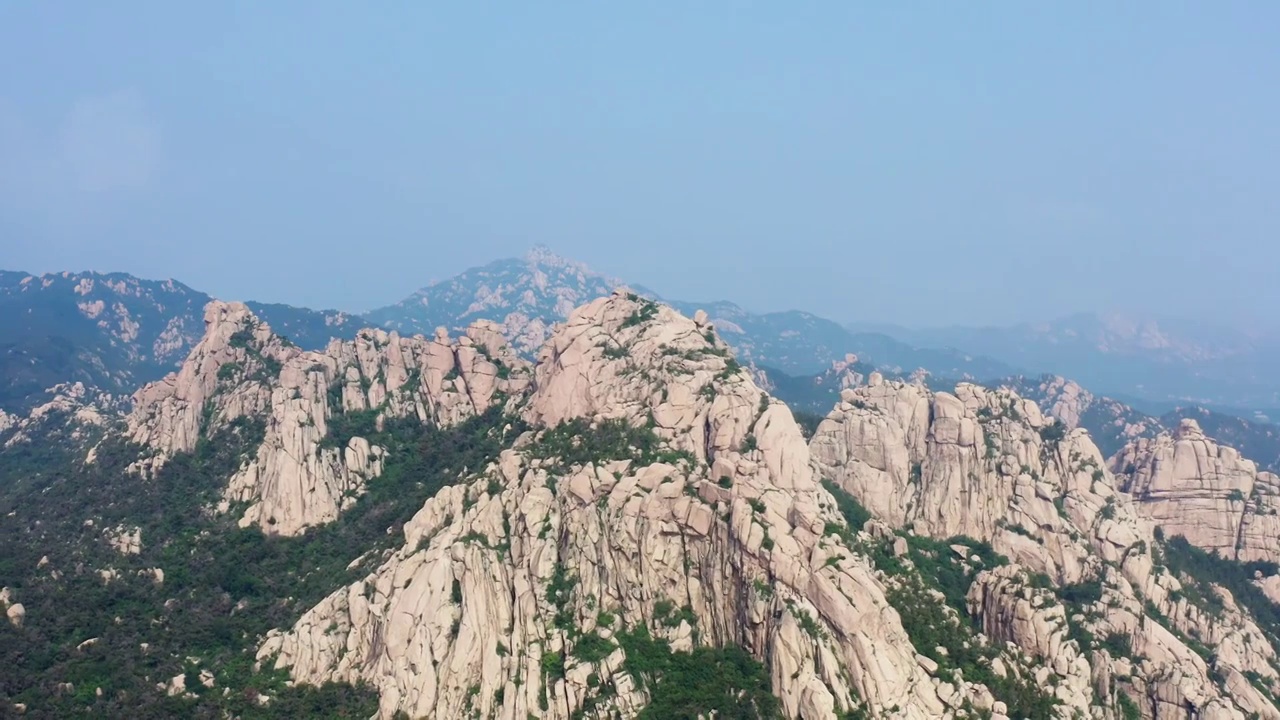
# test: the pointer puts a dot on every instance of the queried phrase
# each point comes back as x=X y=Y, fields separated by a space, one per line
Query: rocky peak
x=1206 y=492
x=236 y=350
x=541 y=256
x=986 y=465
x=302 y=471
x=1111 y=424
x=524 y=296
x=1188 y=429
x=657 y=477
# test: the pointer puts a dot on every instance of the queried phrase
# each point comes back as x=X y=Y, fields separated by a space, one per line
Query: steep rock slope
x=1206 y=492
x=311 y=460
x=658 y=477
x=987 y=465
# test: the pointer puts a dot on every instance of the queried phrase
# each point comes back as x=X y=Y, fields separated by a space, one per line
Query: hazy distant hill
x=1113 y=423
x=528 y=295
x=1178 y=361
x=115 y=331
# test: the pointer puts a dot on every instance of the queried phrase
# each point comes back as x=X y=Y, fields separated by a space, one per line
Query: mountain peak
x=541 y=254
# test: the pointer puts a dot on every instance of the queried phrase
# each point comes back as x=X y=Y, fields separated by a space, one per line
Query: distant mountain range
x=1171 y=361
x=115 y=331
x=530 y=294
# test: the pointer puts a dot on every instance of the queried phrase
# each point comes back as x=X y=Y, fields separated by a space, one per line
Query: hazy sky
x=953 y=162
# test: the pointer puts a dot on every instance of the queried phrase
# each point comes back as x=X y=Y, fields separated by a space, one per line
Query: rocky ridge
x=1111 y=423
x=577 y=539
x=1206 y=492
x=76 y=414
x=658 y=501
x=310 y=460
x=988 y=465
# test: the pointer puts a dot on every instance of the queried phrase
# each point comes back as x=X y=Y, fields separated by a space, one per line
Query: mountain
x=1114 y=424
x=1166 y=360
x=528 y=295
x=626 y=525
x=114 y=331
x=1126 y=597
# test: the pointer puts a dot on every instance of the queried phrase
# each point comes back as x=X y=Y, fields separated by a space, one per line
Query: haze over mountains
x=624 y=523
x=110 y=330
x=114 y=332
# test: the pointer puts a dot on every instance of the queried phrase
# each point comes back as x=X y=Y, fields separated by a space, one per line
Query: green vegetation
x=241 y=338
x=592 y=648
x=344 y=426
x=731 y=368
x=808 y=422
x=1199 y=569
x=1053 y=433
x=725 y=681
x=1129 y=709
x=578 y=442
x=932 y=625
x=848 y=505
x=224 y=586
x=647 y=311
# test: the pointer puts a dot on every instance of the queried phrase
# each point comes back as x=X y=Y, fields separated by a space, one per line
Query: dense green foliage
x=808 y=422
x=725 y=681
x=1199 y=569
x=578 y=442
x=224 y=587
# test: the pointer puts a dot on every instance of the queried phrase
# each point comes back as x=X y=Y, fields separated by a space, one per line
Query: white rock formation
x=986 y=464
x=126 y=541
x=728 y=523
x=297 y=477
x=78 y=413
x=1206 y=492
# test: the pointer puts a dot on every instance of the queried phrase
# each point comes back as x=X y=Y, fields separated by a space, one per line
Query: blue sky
x=926 y=163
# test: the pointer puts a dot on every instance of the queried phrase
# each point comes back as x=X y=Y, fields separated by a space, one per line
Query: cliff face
x=927 y=554
x=308 y=466
x=661 y=492
x=987 y=465
x=1194 y=487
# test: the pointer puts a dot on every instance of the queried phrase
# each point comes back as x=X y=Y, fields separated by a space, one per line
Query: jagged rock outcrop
x=712 y=508
x=1111 y=424
x=171 y=415
x=74 y=412
x=14 y=611
x=124 y=540
x=987 y=465
x=1206 y=492
x=300 y=474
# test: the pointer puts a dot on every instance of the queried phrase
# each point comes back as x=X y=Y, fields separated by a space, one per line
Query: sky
x=910 y=163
